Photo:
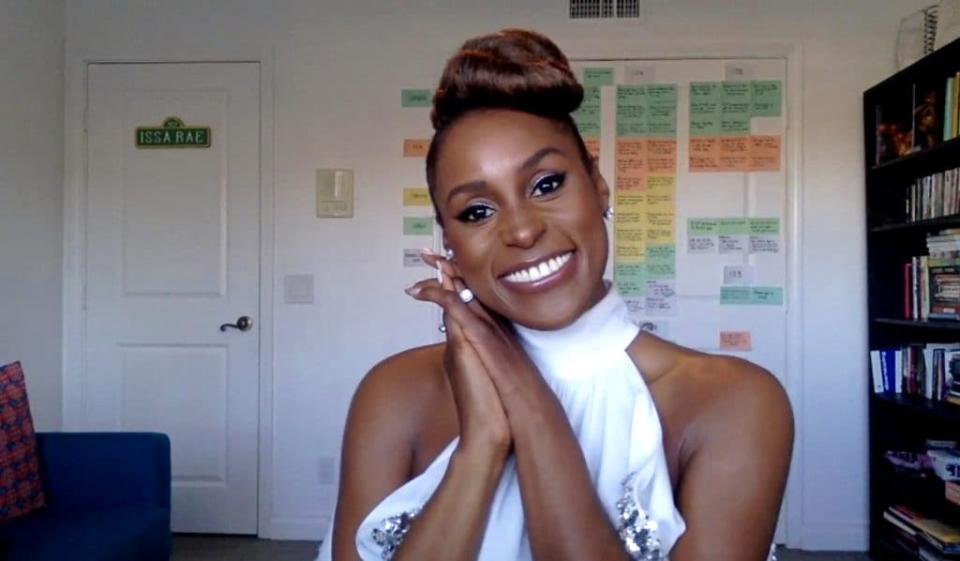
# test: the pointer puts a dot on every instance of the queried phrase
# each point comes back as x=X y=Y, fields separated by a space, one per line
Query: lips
x=539 y=270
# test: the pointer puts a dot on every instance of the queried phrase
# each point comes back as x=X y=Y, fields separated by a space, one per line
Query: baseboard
x=835 y=537
x=300 y=528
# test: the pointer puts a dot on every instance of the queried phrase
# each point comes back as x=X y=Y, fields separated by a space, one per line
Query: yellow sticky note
x=416 y=196
x=415 y=147
x=735 y=341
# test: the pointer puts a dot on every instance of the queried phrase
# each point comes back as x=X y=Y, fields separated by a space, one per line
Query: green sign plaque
x=173 y=134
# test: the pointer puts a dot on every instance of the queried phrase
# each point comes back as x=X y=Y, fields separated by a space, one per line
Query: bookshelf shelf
x=917 y=184
x=923 y=159
x=920 y=324
x=903 y=403
x=942 y=222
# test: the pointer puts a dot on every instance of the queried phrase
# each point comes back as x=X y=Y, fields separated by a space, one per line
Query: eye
x=548 y=184
x=475 y=213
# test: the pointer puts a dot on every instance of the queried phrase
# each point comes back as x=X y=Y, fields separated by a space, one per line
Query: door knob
x=244 y=323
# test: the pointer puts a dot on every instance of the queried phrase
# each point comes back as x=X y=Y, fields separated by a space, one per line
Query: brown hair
x=511 y=69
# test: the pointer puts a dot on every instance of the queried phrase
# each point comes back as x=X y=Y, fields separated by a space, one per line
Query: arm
x=734 y=469
x=380 y=436
x=564 y=516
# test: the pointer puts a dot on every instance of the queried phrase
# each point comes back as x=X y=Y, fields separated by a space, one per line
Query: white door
x=172 y=252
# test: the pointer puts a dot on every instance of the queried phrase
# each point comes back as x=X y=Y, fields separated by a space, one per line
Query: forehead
x=490 y=142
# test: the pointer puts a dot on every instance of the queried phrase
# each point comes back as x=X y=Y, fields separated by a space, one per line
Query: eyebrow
x=479 y=185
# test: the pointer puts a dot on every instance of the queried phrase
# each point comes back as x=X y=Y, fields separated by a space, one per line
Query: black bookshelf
x=904 y=422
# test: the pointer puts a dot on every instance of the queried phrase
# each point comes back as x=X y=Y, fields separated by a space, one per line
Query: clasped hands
x=489 y=372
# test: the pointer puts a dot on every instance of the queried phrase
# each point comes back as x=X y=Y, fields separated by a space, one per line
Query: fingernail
x=439 y=275
x=427 y=251
x=412 y=290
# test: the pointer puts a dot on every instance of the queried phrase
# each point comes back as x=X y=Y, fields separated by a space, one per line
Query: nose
x=521 y=226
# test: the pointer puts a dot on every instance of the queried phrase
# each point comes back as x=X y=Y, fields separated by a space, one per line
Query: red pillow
x=20 y=490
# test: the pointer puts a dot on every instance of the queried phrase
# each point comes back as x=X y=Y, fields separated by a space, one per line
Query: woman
x=547 y=427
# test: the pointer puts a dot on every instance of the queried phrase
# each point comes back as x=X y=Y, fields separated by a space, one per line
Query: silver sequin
x=389 y=535
x=637 y=530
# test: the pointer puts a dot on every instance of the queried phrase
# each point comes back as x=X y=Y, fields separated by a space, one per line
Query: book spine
x=948 y=111
x=876 y=371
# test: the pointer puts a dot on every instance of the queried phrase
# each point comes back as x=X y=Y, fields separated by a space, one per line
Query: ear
x=603 y=190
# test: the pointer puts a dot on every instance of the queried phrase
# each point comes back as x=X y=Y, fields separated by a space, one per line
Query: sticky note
x=413 y=258
x=415 y=147
x=661 y=261
x=629 y=278
x=416 y=98
x=598 y=76
x=735 y=341
x=766 y=98
x=735 y=295
x=703 y=226
x=737 y=274
x=767 y=295
x=416 y=196
x=417 y=225
x=764 y=226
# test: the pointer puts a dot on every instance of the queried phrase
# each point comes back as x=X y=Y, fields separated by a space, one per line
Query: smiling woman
x=548 y=426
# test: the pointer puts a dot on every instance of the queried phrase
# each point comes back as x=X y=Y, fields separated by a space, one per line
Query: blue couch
x=108 y=499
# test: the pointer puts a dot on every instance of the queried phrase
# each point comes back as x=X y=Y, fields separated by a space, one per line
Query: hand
x=483 y=421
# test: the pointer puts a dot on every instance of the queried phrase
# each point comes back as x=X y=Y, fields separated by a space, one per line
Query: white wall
x=339 y=67
x=31 y=198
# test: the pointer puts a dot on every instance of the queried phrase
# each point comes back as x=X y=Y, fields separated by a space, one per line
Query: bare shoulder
x=729 y=425
x=400 y=385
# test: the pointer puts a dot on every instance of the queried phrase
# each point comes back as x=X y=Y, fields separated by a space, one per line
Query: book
x=948 y=111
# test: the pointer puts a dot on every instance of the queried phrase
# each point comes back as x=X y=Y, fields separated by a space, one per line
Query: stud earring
x=608 y=214
x=449 y=254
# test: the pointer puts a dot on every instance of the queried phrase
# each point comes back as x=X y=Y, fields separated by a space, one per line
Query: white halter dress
x=615 y=421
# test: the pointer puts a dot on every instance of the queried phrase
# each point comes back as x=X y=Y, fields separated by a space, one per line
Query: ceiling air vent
x=605 y=9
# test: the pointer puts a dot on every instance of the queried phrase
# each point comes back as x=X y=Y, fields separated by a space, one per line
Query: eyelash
x=555 y=180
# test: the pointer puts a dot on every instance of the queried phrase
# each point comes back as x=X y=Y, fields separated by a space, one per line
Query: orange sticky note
x=704 y=154
x=764 y=153
x=415 y=147
x=662 y=156
x=630 y=164
x=735 y=341
x=593 y=145
x=734 y=153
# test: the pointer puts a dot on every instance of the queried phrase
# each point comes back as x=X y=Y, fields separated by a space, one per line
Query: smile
x=539 y=271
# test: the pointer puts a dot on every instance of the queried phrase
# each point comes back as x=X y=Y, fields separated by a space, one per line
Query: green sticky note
x=587 y=117
x=662 y=120
x=765 y=226
x=767 y=98
x=415 y=98
x=630 y=279
x=766 y=295
x=417 y=226
x=735 y=295
x=661 y=261
x=598 y=76
x=705 y=91
x=703 y=227
x=736 y=91
x=735 y=125
x=663 y=94
x=631 y=95
x=705 y=126
x=734 y=227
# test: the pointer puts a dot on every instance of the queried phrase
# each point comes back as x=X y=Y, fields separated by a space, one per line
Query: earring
x=449 y=254
x=608 y=214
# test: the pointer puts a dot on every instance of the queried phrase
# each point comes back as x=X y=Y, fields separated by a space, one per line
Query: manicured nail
x=427 y=251
x=412 y=290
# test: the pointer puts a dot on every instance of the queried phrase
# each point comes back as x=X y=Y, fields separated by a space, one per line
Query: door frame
x=584 y=49
x=74 y=248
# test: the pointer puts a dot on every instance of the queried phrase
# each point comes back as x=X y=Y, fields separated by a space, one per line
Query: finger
x=473 y=305
x=431 y=291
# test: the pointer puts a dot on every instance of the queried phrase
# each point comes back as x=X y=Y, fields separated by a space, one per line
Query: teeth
x=540 y=270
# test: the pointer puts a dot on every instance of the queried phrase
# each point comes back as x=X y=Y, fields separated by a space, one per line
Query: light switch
x=334 y=193
x=298 y=289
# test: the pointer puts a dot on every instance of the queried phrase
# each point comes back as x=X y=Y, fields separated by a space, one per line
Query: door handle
x=244 y=323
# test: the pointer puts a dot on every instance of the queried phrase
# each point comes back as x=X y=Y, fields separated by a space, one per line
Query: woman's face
x=523 y=216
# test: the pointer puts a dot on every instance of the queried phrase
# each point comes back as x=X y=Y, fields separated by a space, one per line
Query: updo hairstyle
x=511 y=69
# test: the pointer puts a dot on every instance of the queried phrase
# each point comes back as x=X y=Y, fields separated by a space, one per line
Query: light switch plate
x=334 y=193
